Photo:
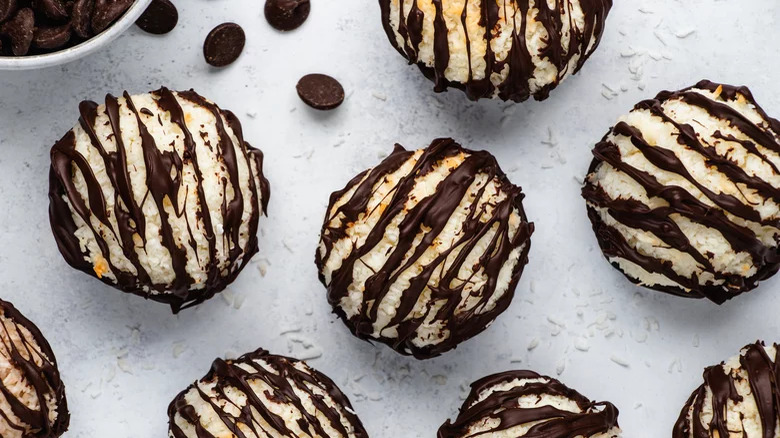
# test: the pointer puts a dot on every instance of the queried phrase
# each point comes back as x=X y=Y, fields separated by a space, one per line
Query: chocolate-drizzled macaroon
x=525 y=404
x=739 y=398
x=684 y=193
x=157 y=194
x=424 y=251
x=32 y=396
x=506 y=49
x=262 y=395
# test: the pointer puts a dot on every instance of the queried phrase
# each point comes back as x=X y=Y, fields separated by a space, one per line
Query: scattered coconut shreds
x=310 y=354
x=619 y=360
x=178 y=349
x=560 y=367
x=228 y=297
x=581 y=344
x=290 y=330
x=675 y=365
x=380 y=96
x=685 y=33
x=550 y=141
x=262 y=266
x=439 y=379
x=239 y=301
x=111 y=374
x=555 y=321
x=533 y=344
x=124 y=365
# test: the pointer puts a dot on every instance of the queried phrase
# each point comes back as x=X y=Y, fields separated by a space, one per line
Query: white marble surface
x=124 y=359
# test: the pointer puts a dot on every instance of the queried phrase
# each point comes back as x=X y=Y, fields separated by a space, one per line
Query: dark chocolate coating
x=681 y=202
x=551 y=422
x=763 y=374
x=131 y=220
x=431 y=213
x=521 y=64
x=44 y=378
x=228 y=374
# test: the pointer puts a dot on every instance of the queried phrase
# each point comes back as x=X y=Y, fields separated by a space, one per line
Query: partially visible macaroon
x=424 y=251
x=740 y=398
x=158 y=195
x=684 y=193
x=32 y=395
x=504 y=49
x=263 y=395
x=518 y=404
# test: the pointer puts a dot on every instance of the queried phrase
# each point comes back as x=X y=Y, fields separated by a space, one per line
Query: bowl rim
x=78 y=51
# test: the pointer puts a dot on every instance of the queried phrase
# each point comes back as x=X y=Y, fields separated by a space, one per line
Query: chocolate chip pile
x=31 y=27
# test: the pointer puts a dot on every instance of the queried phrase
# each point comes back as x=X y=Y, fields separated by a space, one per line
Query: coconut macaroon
x=261 y=395
x=523 y=403
x=684 y=193
x=739 y=398
x=32 y=396
x=158 y=195
x=424 y=251
x=506 y=49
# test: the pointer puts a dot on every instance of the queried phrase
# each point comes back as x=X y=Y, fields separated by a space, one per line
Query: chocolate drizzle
x=660 y=222
x=500 y=409
x=495 y=15
x=43 y=378
x=164 y=169
x=762 y=373
x=283 y=379
x=418 y=230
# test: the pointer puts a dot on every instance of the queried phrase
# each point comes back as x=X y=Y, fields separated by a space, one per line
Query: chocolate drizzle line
x=255 y=418
x=548 y=421
x=44 y=378
x=431 y=214
x=763 y=375
x=658 y=221
x=521 y=64
x=164 y=170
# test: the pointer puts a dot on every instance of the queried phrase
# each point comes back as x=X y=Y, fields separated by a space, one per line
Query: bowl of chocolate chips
x=43 y=33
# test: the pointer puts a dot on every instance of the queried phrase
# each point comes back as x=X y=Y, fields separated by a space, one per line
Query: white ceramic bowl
x=73 y=53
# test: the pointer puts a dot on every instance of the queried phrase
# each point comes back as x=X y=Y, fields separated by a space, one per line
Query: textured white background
x=124 y=359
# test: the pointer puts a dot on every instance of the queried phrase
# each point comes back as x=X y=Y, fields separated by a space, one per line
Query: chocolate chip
x=159 y=18
x=81 y=16
x=286 y=15
x=52 y=37
x=7 y=8
x=107 y=11
x=320 y=91
x=54 y=9
x=224 y=44
x=20 y=31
